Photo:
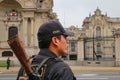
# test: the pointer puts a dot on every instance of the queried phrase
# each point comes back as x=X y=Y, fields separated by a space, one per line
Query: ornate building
x=23 y=17
x=96 y=43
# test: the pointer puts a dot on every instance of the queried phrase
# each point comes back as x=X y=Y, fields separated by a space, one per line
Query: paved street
x=79 y=75
x=8 y=76
x=82 y=73
x=98 y=75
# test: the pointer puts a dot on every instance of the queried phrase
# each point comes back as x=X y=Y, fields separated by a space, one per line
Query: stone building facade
x=23 y=17
x=95 y=44
x=99 y=38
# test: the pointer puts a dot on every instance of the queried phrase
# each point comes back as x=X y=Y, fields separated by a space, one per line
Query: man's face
x=63 y=46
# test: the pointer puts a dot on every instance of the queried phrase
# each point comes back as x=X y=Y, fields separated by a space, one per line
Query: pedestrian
x=52 y=41
x=8 y=62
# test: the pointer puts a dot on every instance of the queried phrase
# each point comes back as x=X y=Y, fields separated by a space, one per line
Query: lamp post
x=113 y=33
x=93 y=48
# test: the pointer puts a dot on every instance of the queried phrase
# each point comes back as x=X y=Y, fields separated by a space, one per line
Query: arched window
x=12 y=31
x=113 y=47
x=29 y=32
x=98 y=48
x=7 y=53
x=72 y=46
x=98 y=32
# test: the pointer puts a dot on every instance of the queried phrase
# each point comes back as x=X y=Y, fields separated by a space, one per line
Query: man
x=8 y=62
x=52 y=40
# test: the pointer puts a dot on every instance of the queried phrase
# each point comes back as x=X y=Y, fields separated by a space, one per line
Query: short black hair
x=46 y=43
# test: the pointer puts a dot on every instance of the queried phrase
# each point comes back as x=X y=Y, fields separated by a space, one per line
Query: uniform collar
x=47 y=52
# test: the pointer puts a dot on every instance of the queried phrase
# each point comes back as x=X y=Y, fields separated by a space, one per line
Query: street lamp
x=113 y=33
x=93 y=48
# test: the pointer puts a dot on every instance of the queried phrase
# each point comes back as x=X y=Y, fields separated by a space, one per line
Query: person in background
x=8 y=62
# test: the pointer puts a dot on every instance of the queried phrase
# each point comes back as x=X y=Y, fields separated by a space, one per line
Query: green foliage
x=4 y=64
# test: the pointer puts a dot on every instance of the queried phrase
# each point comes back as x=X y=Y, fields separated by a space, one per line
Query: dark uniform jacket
x=58 y=70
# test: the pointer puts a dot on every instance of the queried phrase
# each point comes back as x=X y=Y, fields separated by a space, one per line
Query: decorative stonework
x=23 y=17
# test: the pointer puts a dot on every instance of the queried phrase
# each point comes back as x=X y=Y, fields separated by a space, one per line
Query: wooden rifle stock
x=17 y=47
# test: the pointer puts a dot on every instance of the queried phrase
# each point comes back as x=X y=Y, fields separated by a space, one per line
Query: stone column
x=80 y=51
x=32 y=32
x=117 y=47
x=25 y=31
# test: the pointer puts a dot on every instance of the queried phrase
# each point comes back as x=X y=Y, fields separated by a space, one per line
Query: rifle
x=16 y=45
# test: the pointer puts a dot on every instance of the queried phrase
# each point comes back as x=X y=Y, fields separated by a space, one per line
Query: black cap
x=50 y=29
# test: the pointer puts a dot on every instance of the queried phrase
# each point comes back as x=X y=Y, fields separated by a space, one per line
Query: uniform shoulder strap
x=41 y=64
x=46 y=60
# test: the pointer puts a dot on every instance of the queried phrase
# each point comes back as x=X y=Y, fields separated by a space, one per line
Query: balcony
x=4 y=44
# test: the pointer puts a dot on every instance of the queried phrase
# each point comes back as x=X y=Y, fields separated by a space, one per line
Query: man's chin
x=65 y=54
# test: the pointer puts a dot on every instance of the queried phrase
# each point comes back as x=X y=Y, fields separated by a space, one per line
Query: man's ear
x=55 y=41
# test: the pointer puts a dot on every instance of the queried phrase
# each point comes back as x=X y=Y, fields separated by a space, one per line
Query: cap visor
x=69 y=33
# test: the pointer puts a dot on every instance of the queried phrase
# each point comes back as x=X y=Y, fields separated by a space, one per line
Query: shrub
x=4 y=64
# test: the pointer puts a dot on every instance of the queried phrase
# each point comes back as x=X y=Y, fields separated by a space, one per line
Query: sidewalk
x=74 y=69
x=11 y=69
x=94 y=69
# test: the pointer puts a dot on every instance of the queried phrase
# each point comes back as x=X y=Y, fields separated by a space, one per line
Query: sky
x=73 y=12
